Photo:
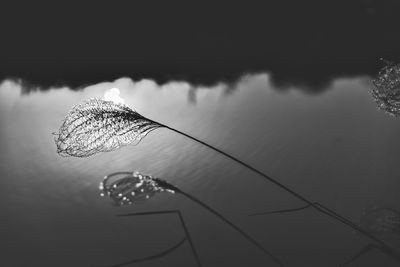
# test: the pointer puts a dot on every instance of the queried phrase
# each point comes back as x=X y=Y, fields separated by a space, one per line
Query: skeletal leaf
x=131 y=188
x=386 y=90
x=99 y=126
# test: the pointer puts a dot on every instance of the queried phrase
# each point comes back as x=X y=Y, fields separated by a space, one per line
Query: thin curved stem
x=321 y=208
x=244 y=234
x=152 y=257
x=367 y=249
x=279 y=211
x=167 y=186
x=363 y=251
x=187 y=234
x=333 y=213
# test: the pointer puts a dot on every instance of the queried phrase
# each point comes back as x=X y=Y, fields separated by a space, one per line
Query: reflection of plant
x=135 y=188
x=167 y=251
x=283 y=211
x=131 y=188
x=386 y=90
x=100 y=126
x=382 y=222
x=385 y=223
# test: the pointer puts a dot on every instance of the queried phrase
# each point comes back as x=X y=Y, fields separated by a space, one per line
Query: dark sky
x=299 y=42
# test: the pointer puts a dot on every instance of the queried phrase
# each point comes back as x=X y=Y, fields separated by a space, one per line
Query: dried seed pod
x=99 y=126
x=386 y=91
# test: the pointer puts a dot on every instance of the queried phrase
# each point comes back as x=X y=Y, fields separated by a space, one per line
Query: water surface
x=334 y=147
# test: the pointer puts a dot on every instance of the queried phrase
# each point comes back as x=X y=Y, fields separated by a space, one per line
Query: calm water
x=333 y=147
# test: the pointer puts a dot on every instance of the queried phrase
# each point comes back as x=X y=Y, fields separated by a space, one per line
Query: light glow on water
x=113 y=94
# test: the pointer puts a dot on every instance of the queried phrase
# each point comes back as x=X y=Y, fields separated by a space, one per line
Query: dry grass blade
x=99 y=126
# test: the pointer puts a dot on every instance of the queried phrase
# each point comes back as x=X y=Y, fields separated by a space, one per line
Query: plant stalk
x=319 y=207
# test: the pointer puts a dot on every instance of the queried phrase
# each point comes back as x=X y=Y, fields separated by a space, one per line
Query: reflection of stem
x=158 y=255
x=319 y=207
x=326 y=211
x=391 y=253
x=364 y=250
x=368 y=248
x=197 y=201
x=163 y=253
x=187 y=234
x=164 y=185
x=280 y=211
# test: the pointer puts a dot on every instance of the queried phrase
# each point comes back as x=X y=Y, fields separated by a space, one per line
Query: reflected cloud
x=311 y=83
x=113 y=94
x=9 y=93
x=119 y=90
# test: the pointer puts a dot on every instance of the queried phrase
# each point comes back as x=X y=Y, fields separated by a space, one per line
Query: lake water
x=333 y=147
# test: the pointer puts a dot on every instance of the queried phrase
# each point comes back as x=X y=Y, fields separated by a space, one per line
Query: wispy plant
x=382 y=222
x=167 y=251
x=100 y=126
x=135 y=188
x=386 y=90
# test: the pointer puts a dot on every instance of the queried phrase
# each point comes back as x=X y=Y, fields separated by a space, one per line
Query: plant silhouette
x=383 y=222
x=386 y=90
x=136 y=188
x=101 y=126
x=167 y=251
